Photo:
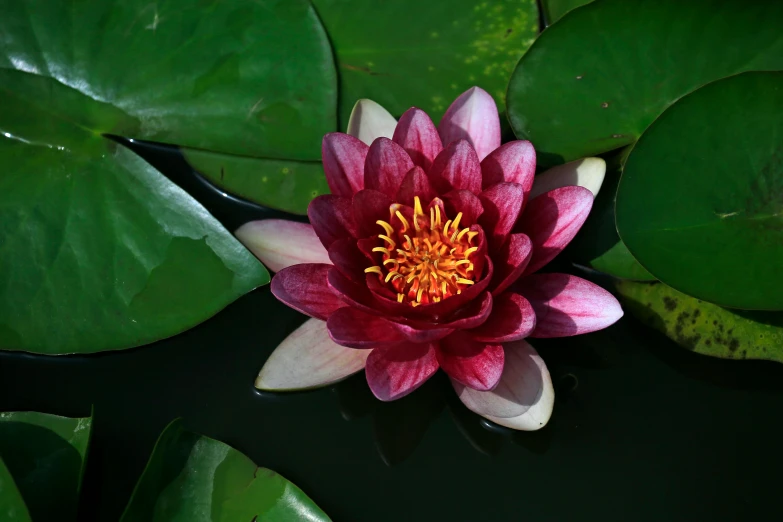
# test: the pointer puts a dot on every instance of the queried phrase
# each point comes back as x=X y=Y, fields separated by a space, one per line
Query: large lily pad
x=99 y=250
x=616 y=65
x=192 y=478
x=44 y=455
x=240 y=77
x=704 y=327
x=700 y=203
x=417 y=53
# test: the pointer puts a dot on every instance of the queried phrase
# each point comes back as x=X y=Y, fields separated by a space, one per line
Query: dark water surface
x=642 y=429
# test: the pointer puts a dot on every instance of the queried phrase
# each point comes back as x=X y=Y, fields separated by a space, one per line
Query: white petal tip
x=586 y=172
x=279 y=243
x=370 y=121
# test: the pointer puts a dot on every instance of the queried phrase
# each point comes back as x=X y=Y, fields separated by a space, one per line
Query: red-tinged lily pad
x=615 y=65
x=704 y=327
x=700 y=203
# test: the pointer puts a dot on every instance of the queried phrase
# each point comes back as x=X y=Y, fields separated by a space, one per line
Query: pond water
x=642 y=429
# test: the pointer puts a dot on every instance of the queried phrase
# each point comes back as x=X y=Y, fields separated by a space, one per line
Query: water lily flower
x=426 y=256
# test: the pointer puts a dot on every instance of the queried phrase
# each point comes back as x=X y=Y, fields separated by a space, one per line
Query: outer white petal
x=308 y=358
x=279 y=243
x=586 y=172
x=524 y=398
x=369 y=121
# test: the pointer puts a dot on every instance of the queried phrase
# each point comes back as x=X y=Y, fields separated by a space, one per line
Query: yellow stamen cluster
x=427 y=260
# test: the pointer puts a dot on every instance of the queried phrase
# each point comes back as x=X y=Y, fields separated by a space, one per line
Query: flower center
x=427 y=261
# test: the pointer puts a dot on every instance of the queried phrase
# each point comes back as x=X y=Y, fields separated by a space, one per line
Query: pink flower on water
x=426 y=255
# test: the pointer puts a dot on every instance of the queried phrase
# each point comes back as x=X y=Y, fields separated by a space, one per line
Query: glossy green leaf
x=424 y=54
x=12 y=508
x=555 y=9
x=45 y=455
x=597 y=244
x=704 y=327
x=192 y=478
x=700 y=203
x=239 y=77
x=281 y=184
x=595 y=80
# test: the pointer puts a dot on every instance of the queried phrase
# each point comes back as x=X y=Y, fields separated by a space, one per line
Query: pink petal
x=567 y=305
x=586 y=172
x=348 y=259
x=415 y=183
x=466 y=202
x=279 y=243
x=523 y=399
x=552 y=220
x=369 y=121
x=305 y=289
x=457 y=167
x=332 y=218
x=354 y=328
x=368 y=207
x=510 y=261
x=471 y=315
x=343 y=158
x=395 y=372
x=502 y=204
x=475 y=364
x=514 y=162
x=474 y=117
x=418 y=136
x=421 y=335
x=357 y=295
x=307 y=358
x=512 y=319
x=386 y=166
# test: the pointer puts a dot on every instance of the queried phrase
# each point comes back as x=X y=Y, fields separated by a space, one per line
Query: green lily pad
x=192 y=478
x=44 y=455
x=555 y=9
x=12 y=506
x=704 y=327
x=598 y=245
x=700 y=203
x=254 y=78
x=281 y=184
x=615 y=65
x=424 y=54
x=100 y=251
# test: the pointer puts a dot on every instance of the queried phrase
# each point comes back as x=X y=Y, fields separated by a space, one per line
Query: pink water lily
x=426 y=255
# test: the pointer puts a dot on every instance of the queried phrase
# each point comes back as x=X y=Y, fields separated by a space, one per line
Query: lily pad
x=704 y=327
x=700 y=203
x=281 y=184
x=253 y=78
x=44 y=455
x=424 y=54
x=616 y=65
x=12 y=508
x=100 y=251
x=555 y=9
x=192 y=478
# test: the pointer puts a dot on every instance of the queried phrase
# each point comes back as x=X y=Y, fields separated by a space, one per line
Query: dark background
x=642 y=429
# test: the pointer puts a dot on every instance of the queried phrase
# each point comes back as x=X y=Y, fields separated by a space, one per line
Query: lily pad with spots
x=704 y=327
x=412 y=53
